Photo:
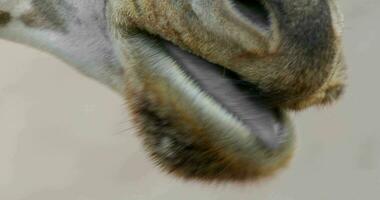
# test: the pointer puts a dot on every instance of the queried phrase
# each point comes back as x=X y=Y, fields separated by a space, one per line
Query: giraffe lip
x=240 y=98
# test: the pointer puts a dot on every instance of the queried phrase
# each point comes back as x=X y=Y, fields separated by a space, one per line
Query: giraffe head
x=208 y=81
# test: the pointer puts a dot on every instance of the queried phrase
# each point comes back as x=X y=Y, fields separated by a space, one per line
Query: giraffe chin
x=199 y=120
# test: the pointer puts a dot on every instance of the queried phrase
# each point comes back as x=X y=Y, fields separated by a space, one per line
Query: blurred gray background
x=66 y=137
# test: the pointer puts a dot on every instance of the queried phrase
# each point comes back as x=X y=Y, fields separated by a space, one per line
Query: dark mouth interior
x=253 y=10
x=234 y=94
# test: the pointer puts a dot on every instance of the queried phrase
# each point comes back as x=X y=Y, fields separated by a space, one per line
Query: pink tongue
x=265 y=123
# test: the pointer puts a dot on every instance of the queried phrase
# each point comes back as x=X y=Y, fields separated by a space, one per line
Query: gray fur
x=75 y=31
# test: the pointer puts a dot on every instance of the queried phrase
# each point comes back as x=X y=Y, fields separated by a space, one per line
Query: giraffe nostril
x=253 y=10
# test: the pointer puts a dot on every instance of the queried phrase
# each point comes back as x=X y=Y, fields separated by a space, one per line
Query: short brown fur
x=293 y=64
x=298 y=63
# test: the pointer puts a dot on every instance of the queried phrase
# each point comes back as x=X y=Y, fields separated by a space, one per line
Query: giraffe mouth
x=180 y=95
x=239 y=98
x=198 y=119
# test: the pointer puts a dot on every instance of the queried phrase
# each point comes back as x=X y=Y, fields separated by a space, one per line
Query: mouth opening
x=240 y=98
x=254 y=10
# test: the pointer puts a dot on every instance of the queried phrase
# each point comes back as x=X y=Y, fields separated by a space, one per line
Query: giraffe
x=209 y=83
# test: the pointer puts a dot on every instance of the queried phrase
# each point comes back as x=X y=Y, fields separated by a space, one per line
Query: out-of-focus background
x=66 y=137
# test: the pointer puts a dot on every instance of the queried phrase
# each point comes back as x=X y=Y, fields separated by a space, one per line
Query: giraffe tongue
x=245 y=103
